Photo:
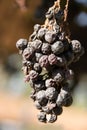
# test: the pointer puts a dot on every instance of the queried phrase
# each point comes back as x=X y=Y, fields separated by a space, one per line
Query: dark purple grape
x=38 y=106
x=41 y=97
x=52 y=59
x=39 y=85
x=33 y=75
x=42 y=117
x=57 y=47
x=63 y=97
x=49 y=107
x=21 y=44
x=50 y=36
x=41 y=33
x=58 y=75
x=27 y=64
x=57 y=110
x=37 y=45
x=37 y=67
x=76 y=46
x=68 y=101
x=51 y=93
x=59 y=100
x=56 y=28
x=46 y=109
x=28 y=53
x=52 y=118
x=43 y=61
x=46 y=48
x=38 y=56
x=50 y=83
x=65 y=91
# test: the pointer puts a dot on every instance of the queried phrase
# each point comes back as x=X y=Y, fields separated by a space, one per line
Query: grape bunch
x=46 y=59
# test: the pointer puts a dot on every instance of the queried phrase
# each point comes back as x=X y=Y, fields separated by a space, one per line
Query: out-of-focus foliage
x=14 y=24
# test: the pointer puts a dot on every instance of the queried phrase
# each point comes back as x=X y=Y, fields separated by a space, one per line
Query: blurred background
x=17 y=111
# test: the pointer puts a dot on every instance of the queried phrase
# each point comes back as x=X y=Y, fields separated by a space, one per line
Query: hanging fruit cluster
x=46 y=59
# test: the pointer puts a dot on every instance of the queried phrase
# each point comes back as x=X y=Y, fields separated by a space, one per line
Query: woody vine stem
x=64 y=23
x=58 y=4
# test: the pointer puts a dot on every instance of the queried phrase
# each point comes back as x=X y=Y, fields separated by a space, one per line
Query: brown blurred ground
x=23 y=110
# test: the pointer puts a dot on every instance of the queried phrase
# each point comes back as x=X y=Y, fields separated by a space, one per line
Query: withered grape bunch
x=46 y=59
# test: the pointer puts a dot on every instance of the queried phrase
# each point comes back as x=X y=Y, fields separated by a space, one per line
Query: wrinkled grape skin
x=46 y=59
